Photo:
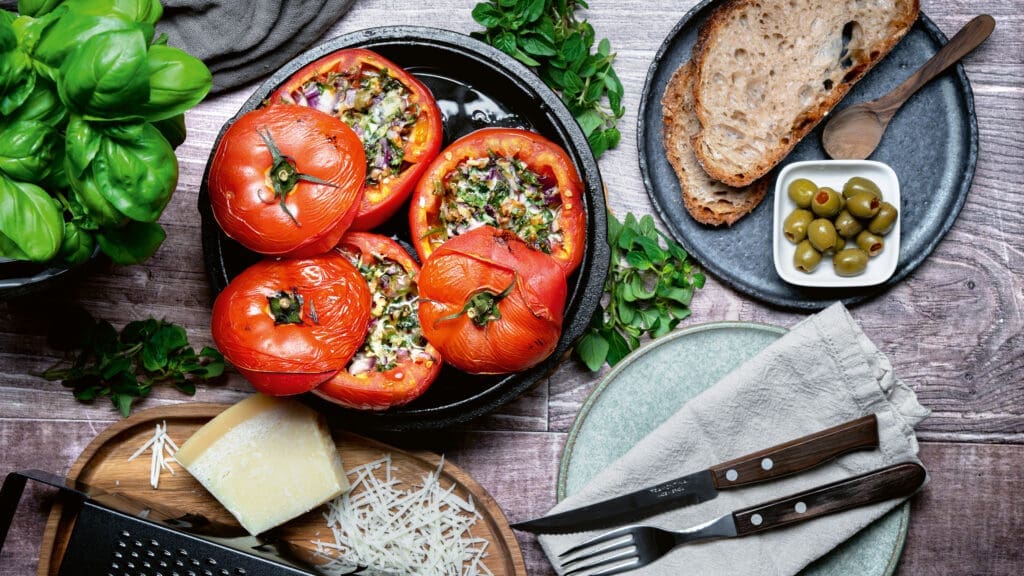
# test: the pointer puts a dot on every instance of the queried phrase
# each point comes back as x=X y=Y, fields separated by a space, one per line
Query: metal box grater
x=107 y=542
x=110 y=543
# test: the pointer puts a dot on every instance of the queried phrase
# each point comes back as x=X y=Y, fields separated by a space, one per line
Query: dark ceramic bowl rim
x=584 y=294
x=902 y=272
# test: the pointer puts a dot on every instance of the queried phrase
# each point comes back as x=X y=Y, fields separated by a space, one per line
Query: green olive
x=795 y=226
x=849 y=261
x=822 y=234
x=860 y=184
x=884 y=220
x=801 y=191
x=863 y=205
x=840 y=244
x=870 y=243
x=826 y=203
x=846 y=225
x=806 y=258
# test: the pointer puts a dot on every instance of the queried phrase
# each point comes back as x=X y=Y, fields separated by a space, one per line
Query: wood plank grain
x=952 y=329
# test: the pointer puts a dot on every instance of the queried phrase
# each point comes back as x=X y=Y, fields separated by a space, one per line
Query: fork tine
x=610 y=566
x=609 y=552
x=599 y=539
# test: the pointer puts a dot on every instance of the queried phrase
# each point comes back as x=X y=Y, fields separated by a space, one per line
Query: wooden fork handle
x=797 y=455
x=968 y=38
x=898 y=481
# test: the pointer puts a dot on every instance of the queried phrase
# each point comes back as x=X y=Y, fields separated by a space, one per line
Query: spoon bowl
x=854 y=132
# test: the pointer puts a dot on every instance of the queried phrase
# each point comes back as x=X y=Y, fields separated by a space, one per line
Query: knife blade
x=782 y=460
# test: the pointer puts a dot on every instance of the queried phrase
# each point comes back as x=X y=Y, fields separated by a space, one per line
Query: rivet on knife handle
x=797 y=455
x=898 y=481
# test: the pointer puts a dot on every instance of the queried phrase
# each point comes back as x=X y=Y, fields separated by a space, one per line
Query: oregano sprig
x=547 y=36
x=101 y=362
x=649 y=288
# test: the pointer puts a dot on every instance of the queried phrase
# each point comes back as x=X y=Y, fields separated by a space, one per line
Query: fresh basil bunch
x=91 y=108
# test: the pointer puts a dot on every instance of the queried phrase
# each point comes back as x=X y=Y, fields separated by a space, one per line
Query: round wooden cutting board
x=104 y=465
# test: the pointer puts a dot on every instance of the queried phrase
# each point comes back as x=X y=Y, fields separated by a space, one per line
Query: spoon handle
x=968 y=38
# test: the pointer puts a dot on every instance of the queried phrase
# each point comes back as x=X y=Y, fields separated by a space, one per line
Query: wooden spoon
x=854 y=132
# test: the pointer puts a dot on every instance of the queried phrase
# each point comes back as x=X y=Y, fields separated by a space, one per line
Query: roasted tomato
x=287 y=181
x=392 y=112
x=288 y=325
x=396 y=364
x=490 y=303
x=511 y=179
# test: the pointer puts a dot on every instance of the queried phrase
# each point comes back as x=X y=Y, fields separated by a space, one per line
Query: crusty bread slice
x=708 y=200
x=767 y=71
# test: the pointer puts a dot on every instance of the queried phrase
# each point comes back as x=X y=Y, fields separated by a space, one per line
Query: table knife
x=775 y=462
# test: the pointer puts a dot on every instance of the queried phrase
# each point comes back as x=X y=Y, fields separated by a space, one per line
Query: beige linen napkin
x=824 y=372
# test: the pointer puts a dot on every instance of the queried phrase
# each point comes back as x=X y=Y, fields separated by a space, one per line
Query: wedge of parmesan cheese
x=267 y=460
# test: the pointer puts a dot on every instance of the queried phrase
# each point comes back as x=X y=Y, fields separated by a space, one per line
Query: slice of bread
x=767 y=71
x=708 y=200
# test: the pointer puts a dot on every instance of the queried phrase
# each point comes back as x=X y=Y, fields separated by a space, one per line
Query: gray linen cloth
x=243 y=40
x=824 y=372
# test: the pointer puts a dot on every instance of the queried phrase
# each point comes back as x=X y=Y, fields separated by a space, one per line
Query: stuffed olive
x=850 y=226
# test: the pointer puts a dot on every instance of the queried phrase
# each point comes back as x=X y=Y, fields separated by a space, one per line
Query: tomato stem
x=482 y=306
x=286 y=307
x=285 y=175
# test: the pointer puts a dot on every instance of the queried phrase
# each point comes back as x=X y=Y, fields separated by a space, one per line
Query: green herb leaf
x=126 y=366
x=487 y=15
x=550 y=38
x=593 y=349
x=649 y=287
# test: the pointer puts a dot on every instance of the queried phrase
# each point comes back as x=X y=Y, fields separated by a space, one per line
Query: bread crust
x=708 y=202
x=716 y=27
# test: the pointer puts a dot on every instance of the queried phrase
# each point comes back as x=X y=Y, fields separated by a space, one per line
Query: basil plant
x=91 y=108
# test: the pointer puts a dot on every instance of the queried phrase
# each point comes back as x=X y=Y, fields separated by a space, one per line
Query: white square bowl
x=833 y=174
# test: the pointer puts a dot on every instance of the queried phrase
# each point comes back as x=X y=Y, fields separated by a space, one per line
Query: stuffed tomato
x=288 y=325
x=287 y=181
x=393 y=113
x=512 y=179
x=395 y=364
x=490 y=303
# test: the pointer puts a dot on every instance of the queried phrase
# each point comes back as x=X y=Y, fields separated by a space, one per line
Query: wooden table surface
x=953 y=328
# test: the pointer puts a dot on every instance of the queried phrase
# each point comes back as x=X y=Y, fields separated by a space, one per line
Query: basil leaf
x=136 y=170
x=78 y=244
x=177 y=82
x=142 y=11
x=59 y=33
x=27 y=150
x=17 y=79
x=131 y=244
x=173 y=129
x=36 y=8
x=107 y=76
x=31 y=226
x=42 y=105
x=81 y=144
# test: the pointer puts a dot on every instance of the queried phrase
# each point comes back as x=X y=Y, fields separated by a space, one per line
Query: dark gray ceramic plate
x=475 y=86
x=633 y=400
x=932 y=144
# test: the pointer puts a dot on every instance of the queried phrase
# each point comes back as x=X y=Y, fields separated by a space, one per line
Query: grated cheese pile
x=162 y=449
x=423 y=530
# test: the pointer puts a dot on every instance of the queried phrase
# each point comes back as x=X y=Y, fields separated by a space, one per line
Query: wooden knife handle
x=898 y=481
x=797 y=455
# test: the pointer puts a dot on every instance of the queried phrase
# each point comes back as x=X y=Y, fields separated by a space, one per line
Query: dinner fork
x=631 y=547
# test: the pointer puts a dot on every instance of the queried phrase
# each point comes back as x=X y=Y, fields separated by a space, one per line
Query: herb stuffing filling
x=375 y=105
x=502 y=192
x=394 y=334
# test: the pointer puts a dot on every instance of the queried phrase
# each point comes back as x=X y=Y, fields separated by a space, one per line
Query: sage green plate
x=634 y=398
